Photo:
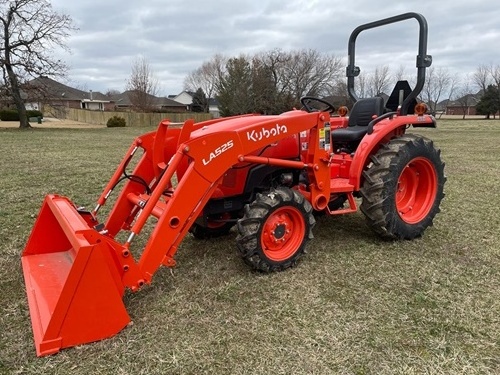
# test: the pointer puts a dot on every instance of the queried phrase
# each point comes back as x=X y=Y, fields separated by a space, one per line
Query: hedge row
x=13 y=115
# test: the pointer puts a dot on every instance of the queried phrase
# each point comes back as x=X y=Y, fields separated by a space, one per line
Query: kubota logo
x=257 y=135
x=218 y=151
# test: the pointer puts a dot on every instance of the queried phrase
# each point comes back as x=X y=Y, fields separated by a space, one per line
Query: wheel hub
x=416 y=190
x=277 y=229
x=282 y=233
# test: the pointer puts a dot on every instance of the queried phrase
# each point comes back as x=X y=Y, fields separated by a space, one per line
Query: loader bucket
x=72 y=282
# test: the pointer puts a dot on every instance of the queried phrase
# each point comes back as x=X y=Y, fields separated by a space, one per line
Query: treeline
x=268 y=83
x=273 y=82
x=487 y=78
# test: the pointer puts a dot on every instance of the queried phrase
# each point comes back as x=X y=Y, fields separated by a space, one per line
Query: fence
x=131 y=118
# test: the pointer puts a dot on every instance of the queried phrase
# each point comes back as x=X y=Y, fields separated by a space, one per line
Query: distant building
x=124 y=101
x=213 y=107
x=186 y=97
x=466 y=105
x=43 y=91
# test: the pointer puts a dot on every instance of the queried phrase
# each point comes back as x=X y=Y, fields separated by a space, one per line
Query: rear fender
x=383 y=131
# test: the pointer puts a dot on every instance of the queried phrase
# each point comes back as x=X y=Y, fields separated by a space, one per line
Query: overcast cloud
x=177 y=36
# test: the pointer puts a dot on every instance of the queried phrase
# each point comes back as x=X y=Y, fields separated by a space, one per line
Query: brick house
x=464 y=106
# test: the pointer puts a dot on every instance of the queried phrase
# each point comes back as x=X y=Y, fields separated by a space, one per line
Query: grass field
x=354 y=305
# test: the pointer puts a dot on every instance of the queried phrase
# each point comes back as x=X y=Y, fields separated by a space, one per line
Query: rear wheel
x=275 y=229
x=403 y=187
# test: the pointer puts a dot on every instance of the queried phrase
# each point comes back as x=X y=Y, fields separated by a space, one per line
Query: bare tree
x=207 y=76
x=438 y=83
x=495 y=74
x=30 y=31
x=484 y=77
x=361 y=85
x=142 y=85
x=277 y=63
x=339 y=96
x=454 y=83
x=311 y=73
x=302 y=72
x=481 y=77
x=464 y=96
x=378 y=81
x=112 y=92
x=400 y=74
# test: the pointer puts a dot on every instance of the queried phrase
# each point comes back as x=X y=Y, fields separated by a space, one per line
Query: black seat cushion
x=349 y=134
x=361 y=114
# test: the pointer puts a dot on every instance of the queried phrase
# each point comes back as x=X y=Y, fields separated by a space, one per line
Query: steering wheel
x=305 y=101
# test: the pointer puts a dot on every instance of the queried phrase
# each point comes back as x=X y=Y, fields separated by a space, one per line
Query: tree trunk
x=18 y=100
x=21 y=109
x=16 y=95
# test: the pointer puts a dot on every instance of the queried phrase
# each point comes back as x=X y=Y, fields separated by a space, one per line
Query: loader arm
x=209 y=152
x=76 y=270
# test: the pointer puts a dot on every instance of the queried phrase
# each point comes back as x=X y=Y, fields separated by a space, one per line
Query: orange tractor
x=268 y=175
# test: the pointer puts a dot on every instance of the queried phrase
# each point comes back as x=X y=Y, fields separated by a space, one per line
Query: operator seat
x=361 y=114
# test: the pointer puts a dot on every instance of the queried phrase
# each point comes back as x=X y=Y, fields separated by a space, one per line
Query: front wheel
x=403 y=187
x=275 y=229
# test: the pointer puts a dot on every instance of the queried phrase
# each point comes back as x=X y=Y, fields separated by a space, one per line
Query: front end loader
x=267 y=175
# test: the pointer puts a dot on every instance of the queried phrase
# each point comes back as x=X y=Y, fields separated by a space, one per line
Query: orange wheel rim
x=282 y=233
x=416 y=190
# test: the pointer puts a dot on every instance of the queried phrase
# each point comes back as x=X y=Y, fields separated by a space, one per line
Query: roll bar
x=423 y=60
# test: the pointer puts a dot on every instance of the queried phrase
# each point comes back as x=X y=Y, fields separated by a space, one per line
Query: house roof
x=469 y=99
x=50 y=89
x=190 y=93
x=124 y=99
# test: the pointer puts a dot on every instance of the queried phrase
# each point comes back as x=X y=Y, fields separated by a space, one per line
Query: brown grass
x=354 y=305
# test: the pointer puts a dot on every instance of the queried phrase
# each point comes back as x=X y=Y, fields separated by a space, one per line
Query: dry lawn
x=51 y=123
x=354 y=305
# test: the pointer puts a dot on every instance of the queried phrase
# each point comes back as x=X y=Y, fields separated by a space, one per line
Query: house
x=213 y=107
x=464 y=106
x=45 y=91
x=186 y=97
x=125 y=100
x=442 y=105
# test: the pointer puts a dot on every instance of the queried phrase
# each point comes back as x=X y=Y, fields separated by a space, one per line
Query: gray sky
x=177 y=36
